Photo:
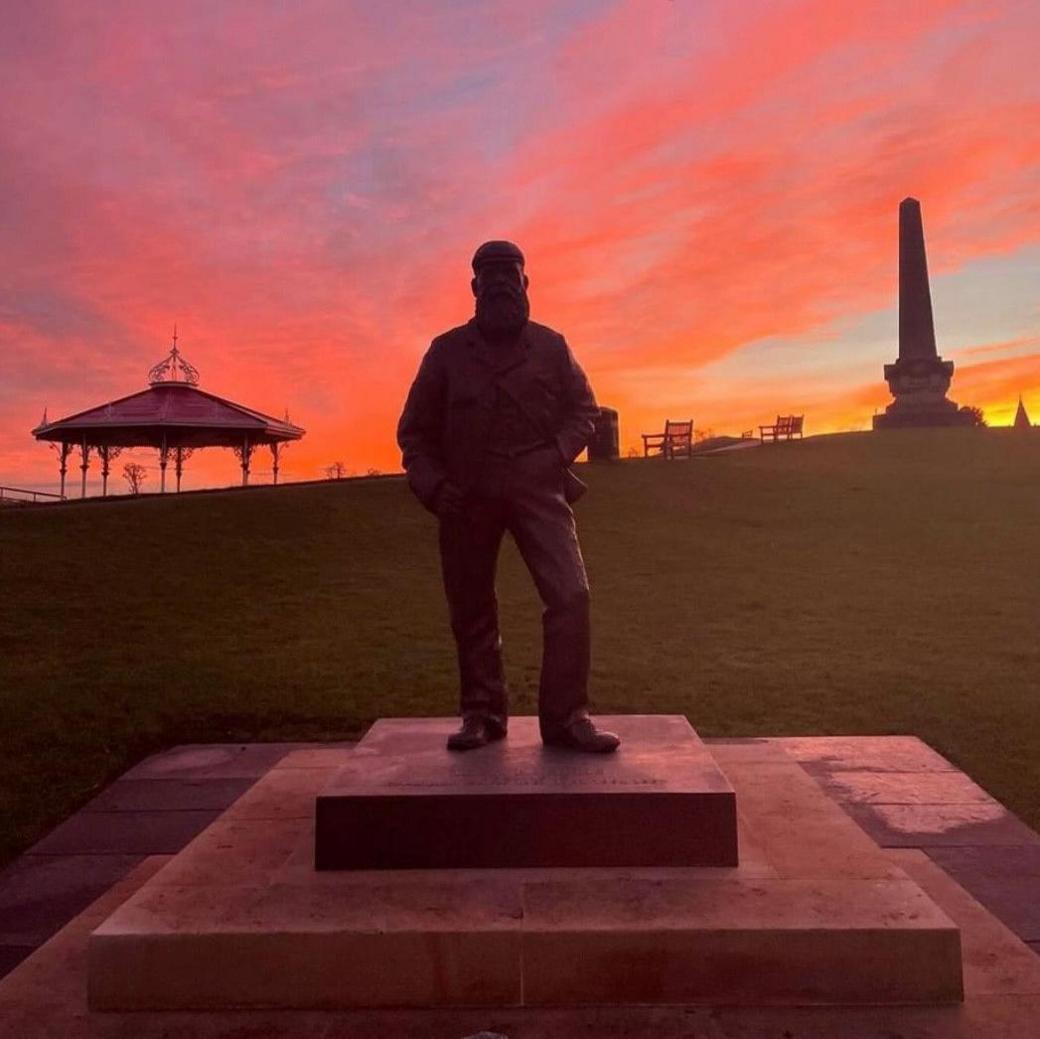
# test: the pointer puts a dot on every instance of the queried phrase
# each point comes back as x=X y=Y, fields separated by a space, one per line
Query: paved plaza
x=975 y=860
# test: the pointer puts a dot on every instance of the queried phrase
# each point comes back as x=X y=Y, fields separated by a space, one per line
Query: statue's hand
x=449 y=501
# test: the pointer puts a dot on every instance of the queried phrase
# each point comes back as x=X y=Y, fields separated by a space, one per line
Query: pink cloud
x=301 y=188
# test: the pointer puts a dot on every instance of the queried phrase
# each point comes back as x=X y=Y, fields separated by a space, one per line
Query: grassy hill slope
x=847 y=584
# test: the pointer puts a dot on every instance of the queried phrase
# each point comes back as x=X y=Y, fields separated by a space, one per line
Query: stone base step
x=542 y=942
x=814 y=914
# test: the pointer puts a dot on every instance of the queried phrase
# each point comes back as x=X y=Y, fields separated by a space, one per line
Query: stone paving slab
x=175 y=795
x=926 y=826
x=40 y=893
x=772 y=794
x=1015 y=860
x=902 y=788
x=212 y=761
x=904 y=795
x=995 y=961
x=1014 y=899
x=169 y=795
x=124 y=833
x=857 y=753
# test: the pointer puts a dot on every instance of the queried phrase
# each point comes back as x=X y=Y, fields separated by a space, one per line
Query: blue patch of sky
x=992 y=300
x=510 y=77
x=505 y=90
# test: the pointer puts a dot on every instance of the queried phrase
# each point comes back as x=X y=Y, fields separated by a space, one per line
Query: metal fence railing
x=18 y=495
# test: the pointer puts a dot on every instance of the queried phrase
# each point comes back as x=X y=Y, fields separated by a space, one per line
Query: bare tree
x=373 y=472
x=135 y=475
x=336 y=471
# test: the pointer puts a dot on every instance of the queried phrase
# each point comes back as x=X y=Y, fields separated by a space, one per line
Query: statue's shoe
x=476 y=731
x=584 y=736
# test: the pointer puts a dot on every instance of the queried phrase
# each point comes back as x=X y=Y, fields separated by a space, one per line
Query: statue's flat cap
x=497 y=252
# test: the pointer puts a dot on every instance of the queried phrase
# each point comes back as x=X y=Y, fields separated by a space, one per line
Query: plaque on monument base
x=403 y=801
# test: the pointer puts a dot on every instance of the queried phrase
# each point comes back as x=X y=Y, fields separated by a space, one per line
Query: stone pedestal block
x=405 y=802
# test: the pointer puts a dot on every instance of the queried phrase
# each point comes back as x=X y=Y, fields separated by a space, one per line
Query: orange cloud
x=302 y=189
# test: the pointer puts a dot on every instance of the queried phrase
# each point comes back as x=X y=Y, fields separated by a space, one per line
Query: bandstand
x=173 y=416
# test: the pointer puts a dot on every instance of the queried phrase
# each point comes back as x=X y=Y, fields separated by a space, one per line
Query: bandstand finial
x=174 y=368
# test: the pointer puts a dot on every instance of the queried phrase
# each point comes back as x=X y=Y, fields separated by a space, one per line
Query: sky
x=706 y=192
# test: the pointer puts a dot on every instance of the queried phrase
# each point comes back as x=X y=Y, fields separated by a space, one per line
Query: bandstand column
x=179 y=454
x=107 y=453
x=84 y=465
x=164 y=458
x=247 y=450
x=274 y=457
x=63 y=463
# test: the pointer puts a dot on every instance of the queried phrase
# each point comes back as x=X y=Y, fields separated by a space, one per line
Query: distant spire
x=1021 y=418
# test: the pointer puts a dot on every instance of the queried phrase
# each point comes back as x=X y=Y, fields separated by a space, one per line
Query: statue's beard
x=502 y=312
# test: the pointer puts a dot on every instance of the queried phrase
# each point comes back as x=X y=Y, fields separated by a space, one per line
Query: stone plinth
x=403 y=801
x=919 y=386
x=814 y=914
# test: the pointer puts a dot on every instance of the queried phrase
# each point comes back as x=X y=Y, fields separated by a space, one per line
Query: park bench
x=786 y=427
x=677 y=439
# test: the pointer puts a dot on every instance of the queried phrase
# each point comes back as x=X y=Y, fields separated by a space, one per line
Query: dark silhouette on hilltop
x=1021 y=422
x=920 y=378
x=497 y=413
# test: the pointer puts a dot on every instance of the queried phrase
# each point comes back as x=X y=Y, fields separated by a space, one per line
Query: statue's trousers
x=524 y=496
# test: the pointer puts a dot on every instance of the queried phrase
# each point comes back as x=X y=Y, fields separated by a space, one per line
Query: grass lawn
x=863 y=583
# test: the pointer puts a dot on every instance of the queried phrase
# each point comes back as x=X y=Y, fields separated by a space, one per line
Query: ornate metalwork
x=174 y=368
x=108 y=453
x=244 y=452
x=180 y=455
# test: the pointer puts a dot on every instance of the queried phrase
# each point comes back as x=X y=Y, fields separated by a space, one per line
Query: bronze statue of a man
x=497 y=413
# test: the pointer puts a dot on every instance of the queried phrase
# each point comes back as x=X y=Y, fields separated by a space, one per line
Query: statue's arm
x=580 y=409
x=420 y=430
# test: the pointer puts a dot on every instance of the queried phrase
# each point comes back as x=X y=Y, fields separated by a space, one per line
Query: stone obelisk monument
x=920 y=378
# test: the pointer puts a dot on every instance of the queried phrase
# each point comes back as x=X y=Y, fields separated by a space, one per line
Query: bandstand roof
x=173 y=409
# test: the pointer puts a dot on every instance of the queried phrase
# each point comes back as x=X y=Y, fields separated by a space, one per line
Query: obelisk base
x=919 y=386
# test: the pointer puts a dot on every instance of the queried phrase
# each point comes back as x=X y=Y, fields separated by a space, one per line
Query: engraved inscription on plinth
x=404 y=802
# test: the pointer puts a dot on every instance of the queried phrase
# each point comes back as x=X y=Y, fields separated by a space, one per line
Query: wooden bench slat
x=786 y=426
x=677 y=438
